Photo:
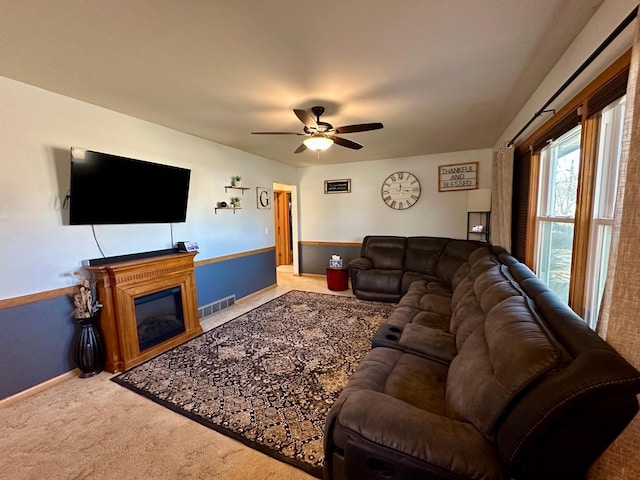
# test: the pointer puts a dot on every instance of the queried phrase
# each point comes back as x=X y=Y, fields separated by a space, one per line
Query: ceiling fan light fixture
x=321 y=135
x=317 y=142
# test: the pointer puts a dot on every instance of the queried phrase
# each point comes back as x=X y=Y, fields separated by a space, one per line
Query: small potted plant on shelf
x=236 y=181
x=235 y=202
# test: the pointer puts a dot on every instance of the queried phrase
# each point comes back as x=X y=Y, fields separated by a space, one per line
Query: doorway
x=283 y=224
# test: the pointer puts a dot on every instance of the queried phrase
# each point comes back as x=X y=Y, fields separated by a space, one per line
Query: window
x=565 y=181
x=608 y=163
x=557 y=194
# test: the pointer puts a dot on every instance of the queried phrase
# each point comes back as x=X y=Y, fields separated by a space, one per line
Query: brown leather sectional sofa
x=480 y=373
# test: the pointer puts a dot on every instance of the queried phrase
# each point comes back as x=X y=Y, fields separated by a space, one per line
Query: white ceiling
x=441 y=75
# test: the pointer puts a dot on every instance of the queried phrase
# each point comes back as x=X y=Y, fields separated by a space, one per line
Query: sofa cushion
x=465 y=319
x=455 y=253
x=428 y=342
x=421 y=287
x=413 y=443
x=464 y=286
x=432 y=320
x=377 y=417
x=404 y=314
x=385 y=252
x=385 y=281
x=499 y=359
x=435 y=284
x=431 y=302
x=428 y=296
x=418 y=382
x=422 y=254
x=461 y=274
x=493 y=286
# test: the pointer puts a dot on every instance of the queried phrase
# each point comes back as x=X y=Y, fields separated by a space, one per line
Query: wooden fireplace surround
x=120 y=283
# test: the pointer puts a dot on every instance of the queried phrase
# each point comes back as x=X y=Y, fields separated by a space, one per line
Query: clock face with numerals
x=400 y=190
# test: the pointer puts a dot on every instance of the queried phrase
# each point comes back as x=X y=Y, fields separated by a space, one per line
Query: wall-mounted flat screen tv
x=109 y=189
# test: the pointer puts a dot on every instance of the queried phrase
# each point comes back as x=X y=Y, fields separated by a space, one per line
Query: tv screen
x=108 y=189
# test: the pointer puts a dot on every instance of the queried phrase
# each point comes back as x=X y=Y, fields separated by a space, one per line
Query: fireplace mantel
x=118 y=286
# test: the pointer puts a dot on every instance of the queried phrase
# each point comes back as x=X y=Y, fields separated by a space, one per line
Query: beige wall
x=40 y=253
x=348 y=217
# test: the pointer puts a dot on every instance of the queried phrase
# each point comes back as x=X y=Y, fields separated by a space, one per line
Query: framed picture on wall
x=263 y=198
x=460 y=176
x=337 y=186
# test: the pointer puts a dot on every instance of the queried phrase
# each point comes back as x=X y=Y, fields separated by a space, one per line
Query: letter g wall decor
x=263 y=198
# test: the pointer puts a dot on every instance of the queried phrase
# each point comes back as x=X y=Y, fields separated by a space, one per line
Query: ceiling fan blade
x=276 y=133
x=306 y=118
x=343 y=142
x=301 y=148
x=361 y=127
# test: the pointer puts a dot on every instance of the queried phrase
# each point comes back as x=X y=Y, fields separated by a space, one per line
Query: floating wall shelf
x=236 y=188
x=227 y=208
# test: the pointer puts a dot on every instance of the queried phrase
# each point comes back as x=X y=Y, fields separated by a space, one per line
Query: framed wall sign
x=263 y=198
x=337 y=186
x=460 y=176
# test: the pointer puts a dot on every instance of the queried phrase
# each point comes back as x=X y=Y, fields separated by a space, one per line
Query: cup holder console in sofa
x=480 y=372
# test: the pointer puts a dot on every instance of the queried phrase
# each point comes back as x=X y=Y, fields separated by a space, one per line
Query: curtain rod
x=625 y=23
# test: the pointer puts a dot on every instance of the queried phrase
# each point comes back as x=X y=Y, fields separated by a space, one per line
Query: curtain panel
x=619 y=323
x=501 y=195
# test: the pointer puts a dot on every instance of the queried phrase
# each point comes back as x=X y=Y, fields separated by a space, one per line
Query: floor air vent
x=216 y=306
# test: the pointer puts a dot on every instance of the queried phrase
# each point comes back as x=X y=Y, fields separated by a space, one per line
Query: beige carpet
x=93 y=428
x=269 y=376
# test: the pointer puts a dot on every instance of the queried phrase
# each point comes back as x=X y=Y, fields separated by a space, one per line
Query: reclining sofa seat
x=378 y=272
x=513 y=386
x=388 y=265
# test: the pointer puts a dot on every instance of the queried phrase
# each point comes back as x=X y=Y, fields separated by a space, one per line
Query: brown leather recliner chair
x=377 y=274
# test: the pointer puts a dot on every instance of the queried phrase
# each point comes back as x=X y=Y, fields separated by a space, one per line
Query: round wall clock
x=400 y=190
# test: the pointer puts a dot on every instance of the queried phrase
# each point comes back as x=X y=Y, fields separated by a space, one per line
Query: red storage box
x=338 y=278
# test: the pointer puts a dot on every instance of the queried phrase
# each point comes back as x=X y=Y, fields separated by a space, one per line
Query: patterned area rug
x=268 y=377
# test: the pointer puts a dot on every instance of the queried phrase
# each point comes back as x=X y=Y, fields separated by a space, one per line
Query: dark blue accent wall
x=35 y=343
x=240 y=276
x=36 y=339
x=315 y=258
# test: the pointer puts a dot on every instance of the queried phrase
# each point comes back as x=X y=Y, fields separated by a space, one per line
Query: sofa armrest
x=432 y=343
x=361 y=263
x=357 y=265
x=390 y=433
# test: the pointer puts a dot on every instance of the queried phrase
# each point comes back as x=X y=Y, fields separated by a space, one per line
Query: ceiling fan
x=321 y=135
